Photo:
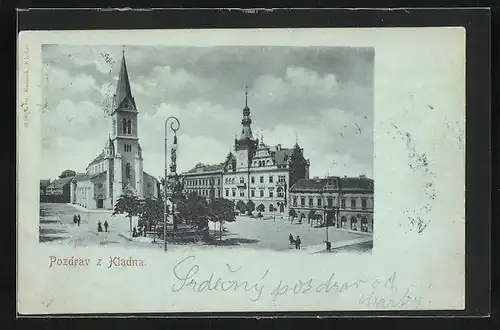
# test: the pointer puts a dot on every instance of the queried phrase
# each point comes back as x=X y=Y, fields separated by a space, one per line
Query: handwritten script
x=373 y=292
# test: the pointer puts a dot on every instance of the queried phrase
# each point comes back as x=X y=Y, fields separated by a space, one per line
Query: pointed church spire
x=246 y=96
x=123 y=90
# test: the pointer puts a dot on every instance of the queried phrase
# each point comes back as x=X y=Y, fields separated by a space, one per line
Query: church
x=118 y=169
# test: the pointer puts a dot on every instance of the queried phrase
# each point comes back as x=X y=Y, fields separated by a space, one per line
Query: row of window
x=127 y=147
x=280 y=193
x=98 y=168
x=330 y=202
x=202 y=182
x=281 y=179
x=205 y=192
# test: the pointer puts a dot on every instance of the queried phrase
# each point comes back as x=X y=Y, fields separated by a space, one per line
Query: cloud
x=322 y=96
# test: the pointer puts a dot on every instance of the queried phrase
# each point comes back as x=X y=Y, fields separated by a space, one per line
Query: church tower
x=128 y=168
x=244 y=147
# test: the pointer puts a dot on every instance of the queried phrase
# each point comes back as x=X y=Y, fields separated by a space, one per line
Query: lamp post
x=326 y=220
x=174 y=155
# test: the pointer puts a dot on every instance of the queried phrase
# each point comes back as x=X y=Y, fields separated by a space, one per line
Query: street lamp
x=173 y=155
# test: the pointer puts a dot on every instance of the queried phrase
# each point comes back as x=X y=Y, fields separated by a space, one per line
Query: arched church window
x=128 y=171
x=124 y=126
x=129 y=126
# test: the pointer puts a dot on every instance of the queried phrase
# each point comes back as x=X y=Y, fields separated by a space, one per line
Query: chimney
x=279 y=147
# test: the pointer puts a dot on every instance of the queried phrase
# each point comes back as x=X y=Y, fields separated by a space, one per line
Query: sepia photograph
x=262 y=147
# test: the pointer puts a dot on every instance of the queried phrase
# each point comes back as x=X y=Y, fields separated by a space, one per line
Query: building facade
x=345 y=203
x=204 y=180
x=260 y=172
x=118 y=169
x=58 y=191
x=252 y=171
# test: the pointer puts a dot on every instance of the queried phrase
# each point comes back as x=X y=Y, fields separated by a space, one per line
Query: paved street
x=56 y=224
x=267 y=234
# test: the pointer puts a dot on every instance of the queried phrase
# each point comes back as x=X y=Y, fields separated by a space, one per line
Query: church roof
x=97 y=159
x=85 y=177
x=123 y=90
x=60 y=183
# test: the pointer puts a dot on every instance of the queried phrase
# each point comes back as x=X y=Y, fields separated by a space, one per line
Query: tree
x=261 y=208
x=221 y=210
x=67 y=174
x=151 y=212
x=311 y=215
x=241 y=207
x=250 y=207
x=128 y=205
x=194 y=210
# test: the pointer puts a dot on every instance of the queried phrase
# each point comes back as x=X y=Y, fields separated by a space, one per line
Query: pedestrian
x=134 y=232
x=79 y=219
x=290 y=238
x=99 y=227
x=328 y=246
x=297 y=242
x=106 y=225
x=75 y=218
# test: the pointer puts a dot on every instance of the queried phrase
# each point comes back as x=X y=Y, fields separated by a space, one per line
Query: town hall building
x=252 y=171
x=118 y=169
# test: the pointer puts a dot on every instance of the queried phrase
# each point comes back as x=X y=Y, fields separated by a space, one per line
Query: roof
x=357 y=183
x=309 y=184
x=282 y=156
x=123 y=90
x=97 y=159
x=360 y=183
x=150 y=175
x=44 y=183
x=85 y=177
x=202 y=168
x=60 y=183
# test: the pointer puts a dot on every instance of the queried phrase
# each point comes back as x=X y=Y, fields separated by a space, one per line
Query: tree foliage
x=261 y=208
x=193 y=210
x=250 y=207
x=67 y=174
x=129 y=205
x=221 y=210
x=151 y=212
x=240 y=206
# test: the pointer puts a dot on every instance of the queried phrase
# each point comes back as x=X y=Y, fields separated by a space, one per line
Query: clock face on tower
x=240 y=158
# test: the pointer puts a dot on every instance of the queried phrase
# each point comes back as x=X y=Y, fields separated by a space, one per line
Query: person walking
x=106 y=225
x=99 y=227
x=297 y=242
x=134 y=232
x=290 y=238
x=79 y=219
x=75 y=218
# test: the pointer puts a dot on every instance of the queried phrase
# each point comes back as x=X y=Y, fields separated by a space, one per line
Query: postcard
x=252 y=170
